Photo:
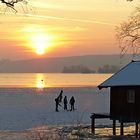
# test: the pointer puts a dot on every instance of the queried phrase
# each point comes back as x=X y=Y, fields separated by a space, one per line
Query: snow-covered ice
x=24 y=108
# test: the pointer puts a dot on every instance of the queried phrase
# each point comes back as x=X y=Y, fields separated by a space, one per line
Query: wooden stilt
x=114 y=127
x=97 y=116
x=136 y=129
x=93 y=125
x=121 y=129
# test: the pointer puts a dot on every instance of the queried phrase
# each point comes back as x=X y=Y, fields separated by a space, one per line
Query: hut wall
x=122 y=109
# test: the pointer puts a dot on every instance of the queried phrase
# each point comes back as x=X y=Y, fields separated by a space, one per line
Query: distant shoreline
x=84 y=64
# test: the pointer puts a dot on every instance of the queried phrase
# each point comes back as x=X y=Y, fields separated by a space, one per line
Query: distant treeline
x=77 y=69
x=84 y=69
x=108 y=69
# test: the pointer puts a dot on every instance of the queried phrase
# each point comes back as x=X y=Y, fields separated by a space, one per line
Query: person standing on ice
x=65 y=101
x=60 y=96
x=72 y=102
x=57 y=104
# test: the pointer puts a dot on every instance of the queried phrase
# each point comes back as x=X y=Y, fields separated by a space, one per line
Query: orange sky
x=62 y=28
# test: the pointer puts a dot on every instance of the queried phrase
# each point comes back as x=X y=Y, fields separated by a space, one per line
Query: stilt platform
x=107 y=115
x=101 y=116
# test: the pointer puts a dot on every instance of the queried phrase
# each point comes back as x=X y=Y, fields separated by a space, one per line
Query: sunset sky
x=55 y=28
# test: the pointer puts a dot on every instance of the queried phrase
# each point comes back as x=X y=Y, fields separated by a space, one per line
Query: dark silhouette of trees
x=128 y=34
x=11 y=3
x=77 y=69
x=108 y=69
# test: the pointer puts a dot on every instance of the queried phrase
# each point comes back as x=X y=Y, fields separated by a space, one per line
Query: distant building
x=125 y=94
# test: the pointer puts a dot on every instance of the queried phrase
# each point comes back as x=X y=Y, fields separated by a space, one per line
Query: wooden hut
x=125 y=95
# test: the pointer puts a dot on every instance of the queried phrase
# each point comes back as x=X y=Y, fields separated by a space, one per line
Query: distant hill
x=57 y=64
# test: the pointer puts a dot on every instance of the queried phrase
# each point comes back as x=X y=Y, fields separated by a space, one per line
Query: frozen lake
x=23 y=104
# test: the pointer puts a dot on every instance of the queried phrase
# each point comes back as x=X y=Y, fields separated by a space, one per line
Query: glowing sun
x=40 y=43
x=38 y=39
x=40 y=51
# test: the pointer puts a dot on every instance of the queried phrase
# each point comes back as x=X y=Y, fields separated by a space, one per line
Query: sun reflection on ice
x=40 y=83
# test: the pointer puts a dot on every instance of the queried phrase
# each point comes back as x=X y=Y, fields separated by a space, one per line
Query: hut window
x=131 y=96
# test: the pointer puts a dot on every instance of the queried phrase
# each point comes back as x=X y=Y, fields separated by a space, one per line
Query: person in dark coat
x=60 y=96
x=65 y=101
x=72 y=102
x=56 y=104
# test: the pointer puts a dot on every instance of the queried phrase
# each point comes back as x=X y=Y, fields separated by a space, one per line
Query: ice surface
x=23 y=108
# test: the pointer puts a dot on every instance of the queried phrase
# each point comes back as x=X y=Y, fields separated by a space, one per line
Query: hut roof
x=127 y=76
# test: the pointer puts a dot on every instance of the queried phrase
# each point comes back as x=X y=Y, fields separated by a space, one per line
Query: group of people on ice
x=59 y=100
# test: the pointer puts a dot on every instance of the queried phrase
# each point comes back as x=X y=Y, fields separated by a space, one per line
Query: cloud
x=69 y=19
x=68 y=29
x=66 y=19
x=77 y=29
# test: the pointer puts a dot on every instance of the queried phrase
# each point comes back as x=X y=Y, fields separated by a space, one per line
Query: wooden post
x=121 y=129
x=93 y=125
x=136 y=129
x=114 y=127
